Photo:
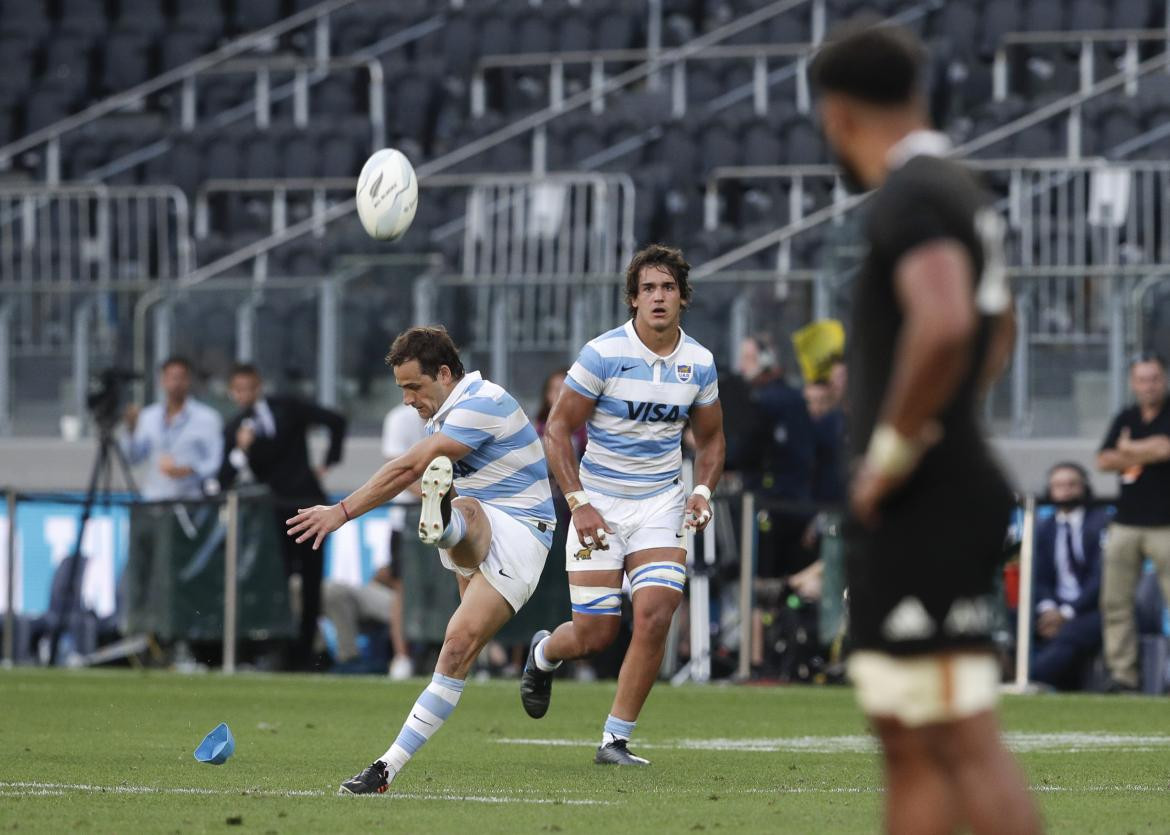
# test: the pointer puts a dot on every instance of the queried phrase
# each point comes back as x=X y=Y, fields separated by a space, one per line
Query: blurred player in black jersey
x=933 y=327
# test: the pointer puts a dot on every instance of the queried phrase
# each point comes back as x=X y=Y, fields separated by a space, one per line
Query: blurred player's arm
x=391 y=479
x=933 y=286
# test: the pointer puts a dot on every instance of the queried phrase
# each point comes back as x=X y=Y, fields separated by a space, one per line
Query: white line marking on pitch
x=39 y=789
x=1062 y=742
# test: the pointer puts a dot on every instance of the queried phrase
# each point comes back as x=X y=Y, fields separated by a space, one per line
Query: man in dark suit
x=1067 y=572
x=266 y=443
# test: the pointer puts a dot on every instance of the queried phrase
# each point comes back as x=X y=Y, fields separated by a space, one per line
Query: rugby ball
x=387 y=195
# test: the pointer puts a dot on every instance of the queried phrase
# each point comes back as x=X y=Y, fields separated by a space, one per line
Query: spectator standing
x=1067 y=571
x=402 y=429
x=266 y=440
x=1137 y=448
x=179 y=437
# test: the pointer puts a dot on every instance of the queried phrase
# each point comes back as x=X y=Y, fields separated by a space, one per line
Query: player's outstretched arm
x=711 y=446
x=391 y=479
x=568 y=415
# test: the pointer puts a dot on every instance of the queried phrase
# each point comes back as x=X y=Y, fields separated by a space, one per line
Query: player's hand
x=698 y=513
x=1049 y=623
x=591 y=528
x=245 y=436
x=868 y=490
x=316 y=523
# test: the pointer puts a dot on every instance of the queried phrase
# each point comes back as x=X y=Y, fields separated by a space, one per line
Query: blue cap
x=217 y=746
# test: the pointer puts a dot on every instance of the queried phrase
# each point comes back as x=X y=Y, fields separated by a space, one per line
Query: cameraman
x=181 y=438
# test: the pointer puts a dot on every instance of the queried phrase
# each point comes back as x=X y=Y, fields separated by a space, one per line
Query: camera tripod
x=100 y=481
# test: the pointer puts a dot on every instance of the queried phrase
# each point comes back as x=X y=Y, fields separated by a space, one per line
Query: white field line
x=1061 y=742
x=40 y=789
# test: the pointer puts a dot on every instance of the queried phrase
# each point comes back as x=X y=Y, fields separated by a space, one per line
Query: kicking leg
x=479 y=617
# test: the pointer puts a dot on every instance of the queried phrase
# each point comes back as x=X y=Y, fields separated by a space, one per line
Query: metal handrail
x=1087 y=39
x=611 y=56
x=1078 y=35
x=1069 y=104
x=52 y=133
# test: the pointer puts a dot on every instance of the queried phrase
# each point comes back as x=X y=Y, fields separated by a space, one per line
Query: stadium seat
x=86 y=18
x=126 y=60
x=339 y=157
x=534 y=34
x=24 y=17
x=299 y=157
x=68 y=64
x=253 y=15
x=1130 y=14
x=958 y=23
x=180 y=46
x=203 y=17
x=761 y=144
x=803 y=142
x=220 y=157
x=44 y=107
x=144 y=16
x=615 y=31
x=575 y=33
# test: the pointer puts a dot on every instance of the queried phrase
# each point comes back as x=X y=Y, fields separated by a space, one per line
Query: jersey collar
x=917 y=143
x=649 y=355
x=457 y=394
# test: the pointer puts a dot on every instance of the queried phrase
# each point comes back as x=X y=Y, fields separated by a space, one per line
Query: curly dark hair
x=431 y=346
x=658 y=255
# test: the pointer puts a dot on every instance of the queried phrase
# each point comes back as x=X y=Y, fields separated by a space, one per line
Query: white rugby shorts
x=924 y=689
x=514 y=561
x=637 y=525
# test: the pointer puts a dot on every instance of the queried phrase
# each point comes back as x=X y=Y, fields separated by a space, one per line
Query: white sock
x=428 y=714
x=454 y=532
x=542 y=663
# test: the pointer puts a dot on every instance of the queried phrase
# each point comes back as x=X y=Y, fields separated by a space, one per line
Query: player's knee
x=654 y=620
x=459 y=650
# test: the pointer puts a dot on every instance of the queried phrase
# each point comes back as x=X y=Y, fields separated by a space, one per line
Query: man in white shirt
x=180 y=438
x=1067 y=574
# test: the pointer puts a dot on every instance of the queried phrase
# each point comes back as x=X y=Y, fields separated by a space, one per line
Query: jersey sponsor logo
x=651 y=412
x=584 y=554
x=909 y=621
x=462 y=469
x=684 y=373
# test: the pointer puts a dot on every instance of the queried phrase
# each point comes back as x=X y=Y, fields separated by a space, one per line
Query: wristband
x=345 y=510
x=702 y=490
x=576 y=499
x=890 y=454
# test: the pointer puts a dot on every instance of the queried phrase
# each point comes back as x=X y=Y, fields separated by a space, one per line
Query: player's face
x=658 y=303
x=175 y=381
x=1148 y=381
x=245 y=390
x=422 y=392
x=840 y=128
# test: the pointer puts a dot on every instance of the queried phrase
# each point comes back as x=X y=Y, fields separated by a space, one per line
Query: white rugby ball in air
x=387 y=195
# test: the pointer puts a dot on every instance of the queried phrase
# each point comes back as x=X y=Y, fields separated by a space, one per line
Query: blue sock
x=429 y=713
x=454 y=532
x=616 y=729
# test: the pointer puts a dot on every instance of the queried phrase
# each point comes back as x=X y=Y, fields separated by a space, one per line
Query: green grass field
x=112 y=752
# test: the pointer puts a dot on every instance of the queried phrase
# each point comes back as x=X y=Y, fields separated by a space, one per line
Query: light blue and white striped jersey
x=506 y=467
x=643 y=402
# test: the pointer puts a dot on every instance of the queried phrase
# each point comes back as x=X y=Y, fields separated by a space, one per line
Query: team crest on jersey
x=583 y=554
x=684 y=373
